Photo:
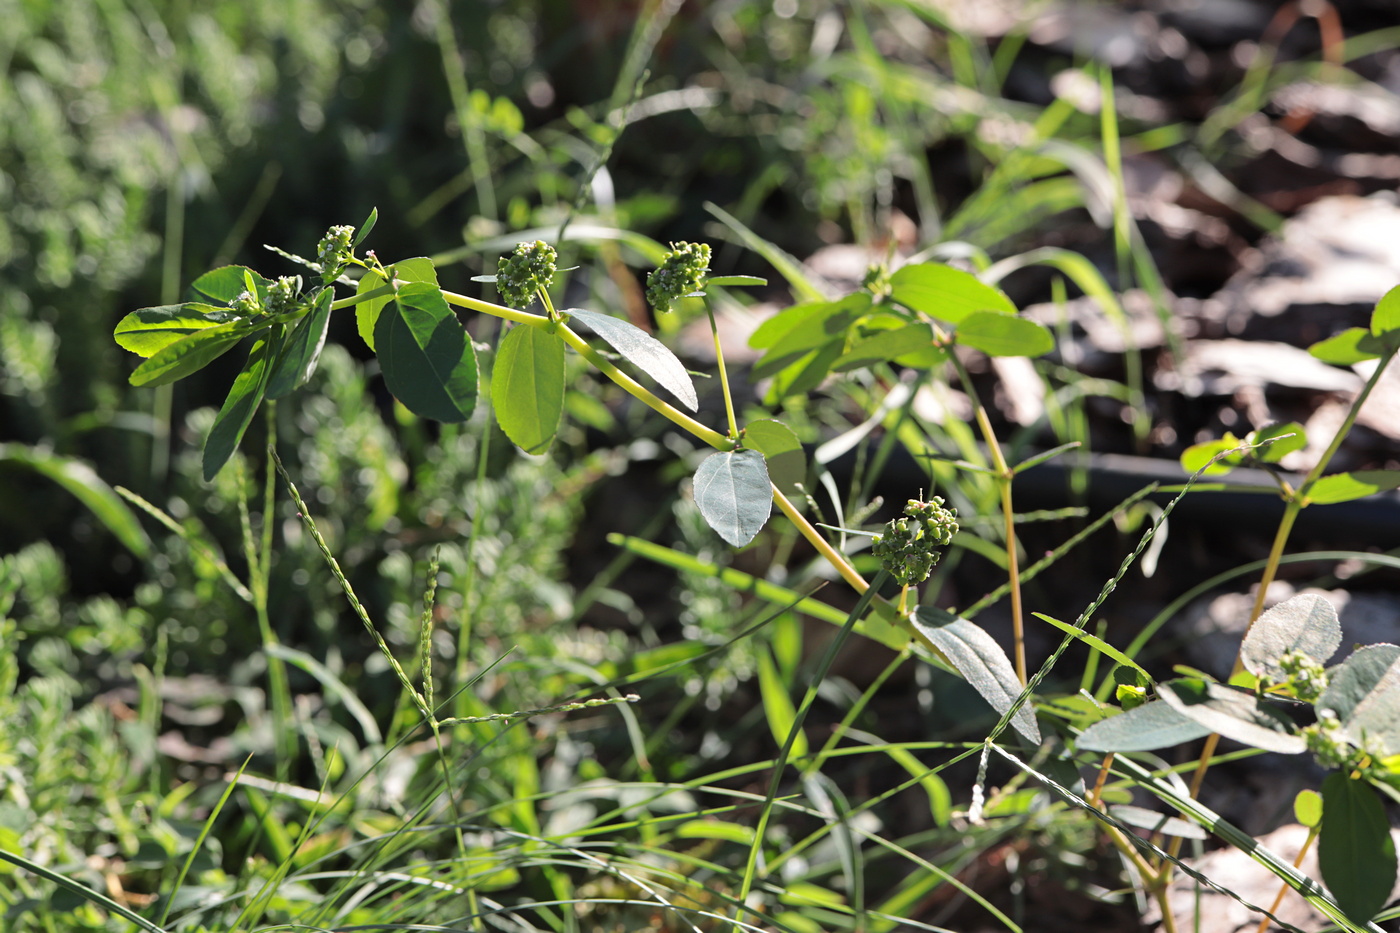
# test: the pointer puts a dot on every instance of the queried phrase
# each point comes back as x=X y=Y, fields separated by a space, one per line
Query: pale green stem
x=723 y=376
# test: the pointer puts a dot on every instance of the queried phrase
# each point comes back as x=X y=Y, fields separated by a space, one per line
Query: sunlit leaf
x=1306 y=622
x=1385 y=319
x=148 y=330
x=787 y=461
x=981 y=662
x=242 y=402
x=302 y=349
x=733 y=493
x=999 y=334
x=429 y=364
x=1350 y=346
x=226 y=283
x=367 y=312
x=1150 y=726
x=527 y=386
x=1235 y=714
x=191 y=354
x=643 y=351
x=815 y=329
x=945 y=293
x=82 y=482
x=911 y=342
x=1344 y=487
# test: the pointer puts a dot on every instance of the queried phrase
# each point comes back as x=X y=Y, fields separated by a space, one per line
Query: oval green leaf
x=1290 y=436
x=980 y=660
x=945 y=293
x=787 y=461
x=814 y=330
x=730 y=281
x=1306 y=622
x=302 y=349
x=733 y=493
x=191 y=354
x=240 y=405
x=996 y=333
x=1151 y=726
x=1235 y=714
x=912 y=341
x=1197 y=456
x=527 y=387
x=149 y=330
x=1355 y=849
x=1385 y=319
x=1350 y=346
x=643 y=351
x=1307 y=808
x=1352 y=681
x=429 y=364
x=1344 y=487
x=226 y=283
x=419 y=269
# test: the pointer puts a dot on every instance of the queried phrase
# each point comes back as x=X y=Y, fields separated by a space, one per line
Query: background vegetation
x=144 y=142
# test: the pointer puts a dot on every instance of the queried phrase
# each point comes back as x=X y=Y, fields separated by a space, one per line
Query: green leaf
x=998 y=334
x=980 y=660
x=367 y=312
x=1307 y=808
x=643 y=351
x=1350 y=346
x=1355 y=850
x=814 y=329
x=945 y=293
x=302 y=349
x=733 y=493
x=1093 y=641
x=1344 y=487
x=1292 y=436
x=429 y=364
x=1364 y=692
x=149 y=330
x=1152 y=725
x=1306 y=622
x=731 y=281
x=240 y=405
x=1385 y=319
x=787 y=462
x=227 y=283
x=191 y=354
x=82 y=482
x=527 y=386
x=768 y=332
x=366 y=227
x=1235 y=714
x=804 y=375
x=1350 y=682
x=912 y=341
x=778 y=707
x=1197 y=456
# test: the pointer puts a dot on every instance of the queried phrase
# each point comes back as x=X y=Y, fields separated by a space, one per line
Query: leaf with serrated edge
x=1307 y=623
x=149 y=330
x=302 y=349
x=643 y=351
x=428 y=362
x=367 y=312
x=980 y=660
x=998 y=334
x=527 y=387
x=1235 y=714
x=1355 y=851
x=190 y=354
x=1150 y=726
x=734 y=494
x=239 y=407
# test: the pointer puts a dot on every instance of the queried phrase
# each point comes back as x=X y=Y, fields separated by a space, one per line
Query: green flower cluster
x=334 y=251
x=525 y=272
x=682 y=272
x=282 y=294
x=908 y=548
x=1305 y=675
